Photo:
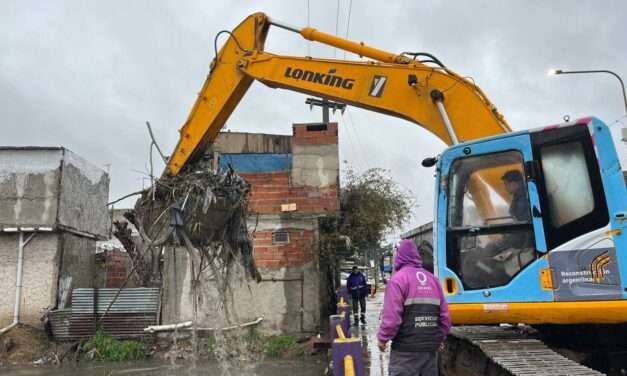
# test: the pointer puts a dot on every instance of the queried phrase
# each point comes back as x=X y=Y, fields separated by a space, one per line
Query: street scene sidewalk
x=375 y=362
x=221 y=188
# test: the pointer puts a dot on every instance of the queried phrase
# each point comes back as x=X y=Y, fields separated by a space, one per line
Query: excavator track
x=493 y=350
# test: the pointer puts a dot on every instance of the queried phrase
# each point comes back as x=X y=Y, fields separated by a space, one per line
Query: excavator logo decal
x=378 y=84
x=597 y=267
x=328 y=79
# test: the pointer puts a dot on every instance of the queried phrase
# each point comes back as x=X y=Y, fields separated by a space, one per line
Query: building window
x=280 y=237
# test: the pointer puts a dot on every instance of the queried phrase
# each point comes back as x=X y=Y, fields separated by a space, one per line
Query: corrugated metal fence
x=133 y=310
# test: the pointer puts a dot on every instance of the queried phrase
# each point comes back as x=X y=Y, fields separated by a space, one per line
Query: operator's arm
x=393 y=306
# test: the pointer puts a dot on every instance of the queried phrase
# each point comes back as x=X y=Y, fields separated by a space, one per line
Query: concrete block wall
x=40 y=274
x=78 y=259
x=61 y=198
x=52 y=187
x=315 y=160
x=287 y=298
x=48 y=257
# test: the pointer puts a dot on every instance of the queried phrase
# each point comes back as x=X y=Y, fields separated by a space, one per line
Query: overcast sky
x=87 y=74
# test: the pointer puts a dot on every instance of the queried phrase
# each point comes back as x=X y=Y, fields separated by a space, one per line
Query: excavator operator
x=514 y=185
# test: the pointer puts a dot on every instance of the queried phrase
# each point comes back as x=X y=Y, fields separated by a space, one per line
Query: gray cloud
x=87 y=74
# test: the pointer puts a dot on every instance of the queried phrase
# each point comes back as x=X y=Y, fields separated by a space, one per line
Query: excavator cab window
x=490 y=235
x=569 y=184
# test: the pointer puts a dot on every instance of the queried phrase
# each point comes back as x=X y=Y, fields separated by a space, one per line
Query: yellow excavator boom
x=443 y=102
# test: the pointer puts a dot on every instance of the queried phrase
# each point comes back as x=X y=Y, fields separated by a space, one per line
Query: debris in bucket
x=200 y=209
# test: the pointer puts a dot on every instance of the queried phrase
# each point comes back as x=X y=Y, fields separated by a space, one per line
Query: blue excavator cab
x=531 y=227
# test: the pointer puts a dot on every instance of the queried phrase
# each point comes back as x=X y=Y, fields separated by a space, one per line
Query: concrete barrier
x=344 y=309
x=334 y=321
x=342 y=293
x=347 y=358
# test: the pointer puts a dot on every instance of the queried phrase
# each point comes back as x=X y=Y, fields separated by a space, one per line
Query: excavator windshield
x=491 y=236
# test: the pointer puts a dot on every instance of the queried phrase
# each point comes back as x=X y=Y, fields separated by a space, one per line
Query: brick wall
x=297 y=252
x=116 y=265
x=272 y=189
x=313 y=134
x=314 y=150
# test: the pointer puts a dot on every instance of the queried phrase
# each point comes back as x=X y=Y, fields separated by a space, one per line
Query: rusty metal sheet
x=130 y=300
x=134 y=310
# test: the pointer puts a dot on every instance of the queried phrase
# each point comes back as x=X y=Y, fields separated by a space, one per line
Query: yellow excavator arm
x=432 y=96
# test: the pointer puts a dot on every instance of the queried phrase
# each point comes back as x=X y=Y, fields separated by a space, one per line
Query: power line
x=360 y=151
x=356 y=156
x=308 y=25
x=337 y=25
x=350 y=119
x=348 y=22
x=351 y=145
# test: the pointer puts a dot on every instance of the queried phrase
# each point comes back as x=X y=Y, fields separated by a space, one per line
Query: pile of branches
x=200 y=209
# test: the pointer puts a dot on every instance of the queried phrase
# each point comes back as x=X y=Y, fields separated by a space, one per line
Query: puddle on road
x=308 y=367
x=375 y=362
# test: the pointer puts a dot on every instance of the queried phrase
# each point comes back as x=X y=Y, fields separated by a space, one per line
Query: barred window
x=280 y=237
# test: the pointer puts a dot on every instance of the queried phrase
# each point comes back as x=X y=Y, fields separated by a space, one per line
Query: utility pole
x=326 y=105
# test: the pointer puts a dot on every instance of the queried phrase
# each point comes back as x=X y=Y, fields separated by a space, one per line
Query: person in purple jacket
x=357 y=286
x=415 y=316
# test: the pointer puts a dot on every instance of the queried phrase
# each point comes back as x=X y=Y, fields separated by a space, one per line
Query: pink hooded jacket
x=415 y=312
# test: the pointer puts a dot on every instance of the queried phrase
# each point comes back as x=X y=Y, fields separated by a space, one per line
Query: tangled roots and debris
x=203 y=210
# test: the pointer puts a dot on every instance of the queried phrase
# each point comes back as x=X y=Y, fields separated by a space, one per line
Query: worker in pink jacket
x=415 y=316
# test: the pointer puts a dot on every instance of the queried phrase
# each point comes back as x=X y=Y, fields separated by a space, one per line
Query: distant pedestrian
x=382 y=268
x=415 y=316
x=356 y=284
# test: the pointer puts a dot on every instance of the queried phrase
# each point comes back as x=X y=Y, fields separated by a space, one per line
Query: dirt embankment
x=27 y=345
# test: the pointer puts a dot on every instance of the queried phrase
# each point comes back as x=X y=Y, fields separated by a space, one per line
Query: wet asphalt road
x=375 y=362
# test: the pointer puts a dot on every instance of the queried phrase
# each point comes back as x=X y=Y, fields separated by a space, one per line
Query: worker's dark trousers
x=357 y=303
x=413 y=363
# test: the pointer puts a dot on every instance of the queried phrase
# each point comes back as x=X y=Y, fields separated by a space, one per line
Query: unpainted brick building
x=294 y=182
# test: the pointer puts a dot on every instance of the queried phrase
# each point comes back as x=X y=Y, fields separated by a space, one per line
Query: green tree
x=372 y=205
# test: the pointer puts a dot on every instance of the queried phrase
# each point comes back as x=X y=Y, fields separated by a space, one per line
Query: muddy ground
x=25 y=350
x=25 y=345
